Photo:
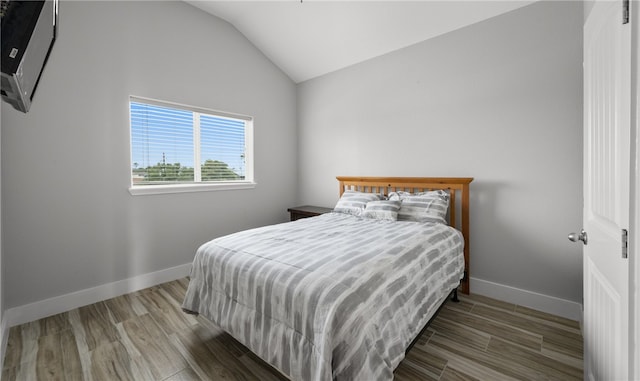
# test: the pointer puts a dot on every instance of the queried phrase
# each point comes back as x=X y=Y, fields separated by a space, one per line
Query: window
x=178 y=148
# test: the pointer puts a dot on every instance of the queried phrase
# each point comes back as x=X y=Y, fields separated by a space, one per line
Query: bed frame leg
x=454 y=296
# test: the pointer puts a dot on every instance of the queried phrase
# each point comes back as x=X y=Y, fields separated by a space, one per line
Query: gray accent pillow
x=354 y=202
x=382 y=210
x=429 y=206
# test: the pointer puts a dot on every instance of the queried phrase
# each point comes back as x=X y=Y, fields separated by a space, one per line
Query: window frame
x=195 y=186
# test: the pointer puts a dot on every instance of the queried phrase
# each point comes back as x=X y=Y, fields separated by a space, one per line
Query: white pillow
x=429 y=206
x=354 y=202
x=382 y=210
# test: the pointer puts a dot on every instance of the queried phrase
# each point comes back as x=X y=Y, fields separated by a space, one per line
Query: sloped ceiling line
x=316 y=37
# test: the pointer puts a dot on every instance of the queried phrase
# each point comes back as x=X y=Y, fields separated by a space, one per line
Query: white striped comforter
x=329 y=297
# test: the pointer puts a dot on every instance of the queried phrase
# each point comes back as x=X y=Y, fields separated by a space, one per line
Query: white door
x=607 y=64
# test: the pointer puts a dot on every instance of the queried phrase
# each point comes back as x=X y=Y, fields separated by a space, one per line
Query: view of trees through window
x=163 y=149
x=212 y=170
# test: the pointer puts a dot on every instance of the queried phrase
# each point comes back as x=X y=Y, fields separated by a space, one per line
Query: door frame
x=635 y=190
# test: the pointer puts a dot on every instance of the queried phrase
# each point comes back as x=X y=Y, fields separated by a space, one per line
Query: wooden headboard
x=458 y=188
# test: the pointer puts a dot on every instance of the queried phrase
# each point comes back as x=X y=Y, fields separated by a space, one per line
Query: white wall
x=500 y=101
x=69 y=222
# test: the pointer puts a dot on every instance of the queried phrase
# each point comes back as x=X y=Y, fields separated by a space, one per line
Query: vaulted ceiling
x=309 y=38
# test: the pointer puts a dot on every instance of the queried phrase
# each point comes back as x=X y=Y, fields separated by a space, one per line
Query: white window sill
x=141 y=190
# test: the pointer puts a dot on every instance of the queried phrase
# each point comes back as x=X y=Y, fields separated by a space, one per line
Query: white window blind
x=177 y=144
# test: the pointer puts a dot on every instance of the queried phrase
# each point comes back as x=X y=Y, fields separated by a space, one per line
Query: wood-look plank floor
x=146 y=336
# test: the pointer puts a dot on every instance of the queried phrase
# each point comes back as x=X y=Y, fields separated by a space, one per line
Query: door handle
x=575 y=237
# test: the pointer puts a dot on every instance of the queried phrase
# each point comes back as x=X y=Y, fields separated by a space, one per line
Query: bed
x=340 y=296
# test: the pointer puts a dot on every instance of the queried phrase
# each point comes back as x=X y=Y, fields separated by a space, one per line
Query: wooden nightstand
x=305 y=211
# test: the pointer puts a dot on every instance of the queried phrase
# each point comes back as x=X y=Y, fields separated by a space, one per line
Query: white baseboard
x=545 y=303
x=43 y=308
x=4 y=338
